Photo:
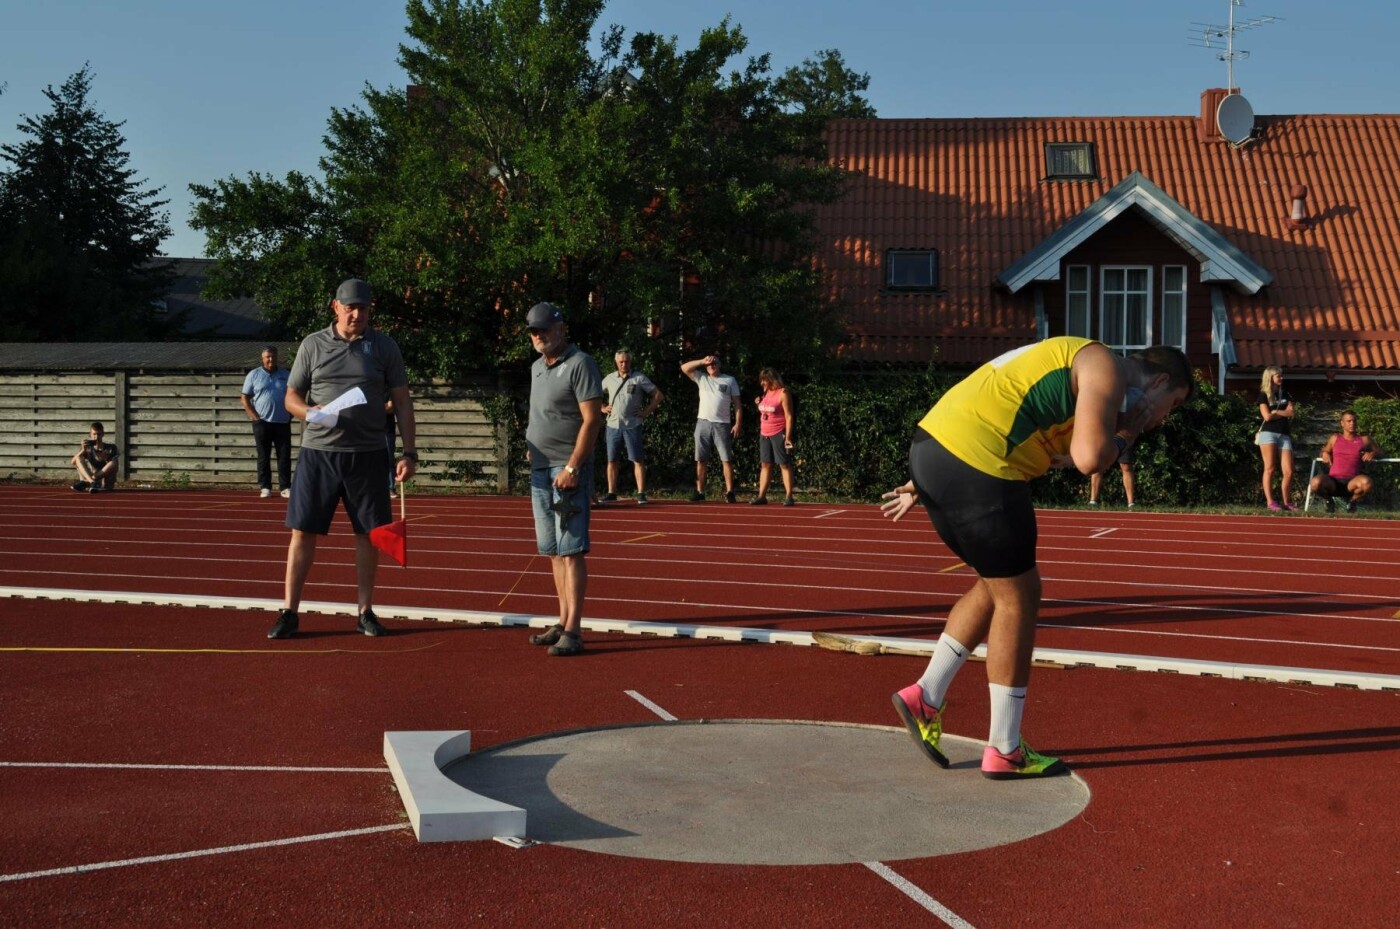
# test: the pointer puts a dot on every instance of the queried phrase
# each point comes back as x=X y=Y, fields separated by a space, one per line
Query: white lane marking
x=827 y=513
x=1102 y=532
x=651 y=706
x=918 y=896
x=200 y=853
x=1218 y=638
x=189 y=767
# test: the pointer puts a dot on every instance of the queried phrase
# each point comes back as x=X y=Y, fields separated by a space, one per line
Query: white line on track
x=918 y=896
x=651 y=706
x=223 y=850
x=189 y=767
x=827 y=513
x=1101 y=533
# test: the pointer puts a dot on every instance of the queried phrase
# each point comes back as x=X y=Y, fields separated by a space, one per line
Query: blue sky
x=209 y=90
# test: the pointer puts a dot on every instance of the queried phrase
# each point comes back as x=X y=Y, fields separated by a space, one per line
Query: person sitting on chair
x=1346 y=454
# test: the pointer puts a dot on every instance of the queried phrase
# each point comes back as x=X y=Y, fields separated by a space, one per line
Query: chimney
x=1298 y=218
x=1207 y=129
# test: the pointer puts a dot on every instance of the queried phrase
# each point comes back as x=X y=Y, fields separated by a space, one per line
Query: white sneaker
x=286 y=492
x=265 y=492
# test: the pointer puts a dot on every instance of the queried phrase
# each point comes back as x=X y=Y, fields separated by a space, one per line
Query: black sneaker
x=730 y=498
x=95 y=488
x=369 y=624
x=696 y=497
x=1351 y=506
x=285 y=627
x=549 y=636
x=568 y=644
x=788 y=501
x=80 y=486
x=1331 y=505
x=756 y=501
x=608 y=498
x=641 y=499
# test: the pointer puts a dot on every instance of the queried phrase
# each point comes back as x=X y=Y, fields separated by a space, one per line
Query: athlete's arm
x=1099 y=383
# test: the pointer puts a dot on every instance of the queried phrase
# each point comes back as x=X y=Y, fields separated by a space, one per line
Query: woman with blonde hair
x=1274 y=441
x=774 y=435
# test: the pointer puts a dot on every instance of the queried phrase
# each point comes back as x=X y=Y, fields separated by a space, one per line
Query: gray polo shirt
x=555 y=393
x=626 y=398
x=327 y=366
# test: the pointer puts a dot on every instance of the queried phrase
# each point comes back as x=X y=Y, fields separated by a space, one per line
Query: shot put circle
x=763 y=792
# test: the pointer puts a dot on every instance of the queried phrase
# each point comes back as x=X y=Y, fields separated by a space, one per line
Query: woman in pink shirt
x=774 y=434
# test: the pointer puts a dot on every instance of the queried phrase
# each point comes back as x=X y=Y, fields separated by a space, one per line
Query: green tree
x=825 y=87
x=642 y=186
x=79 y=232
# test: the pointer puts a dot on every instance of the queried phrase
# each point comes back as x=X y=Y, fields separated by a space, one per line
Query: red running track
x=1213 y=801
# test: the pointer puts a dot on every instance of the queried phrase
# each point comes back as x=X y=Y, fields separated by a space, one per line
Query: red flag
x=392 y=540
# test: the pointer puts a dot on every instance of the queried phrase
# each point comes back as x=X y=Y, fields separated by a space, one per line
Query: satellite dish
x=1235 y=118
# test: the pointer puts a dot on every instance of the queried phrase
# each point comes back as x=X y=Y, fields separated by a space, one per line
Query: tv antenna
x=1211 y=36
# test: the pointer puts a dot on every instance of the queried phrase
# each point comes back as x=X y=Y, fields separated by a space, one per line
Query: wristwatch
x=571 y=469
x=411 y=456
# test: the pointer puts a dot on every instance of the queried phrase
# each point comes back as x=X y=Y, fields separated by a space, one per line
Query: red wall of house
x=1132 y=240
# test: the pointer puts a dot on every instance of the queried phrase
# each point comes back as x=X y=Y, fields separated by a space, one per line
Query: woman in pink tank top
x=774 y=434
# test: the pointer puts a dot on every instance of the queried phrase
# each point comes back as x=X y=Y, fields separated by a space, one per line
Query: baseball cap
x=543 y=315
x=353 y=291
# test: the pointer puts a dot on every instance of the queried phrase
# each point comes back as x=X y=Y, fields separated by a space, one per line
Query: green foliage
x=826 y=87
x=79 y=233
x=642 y=187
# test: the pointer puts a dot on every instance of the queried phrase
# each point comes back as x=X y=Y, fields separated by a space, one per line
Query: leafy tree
x=644 y=187
x=824 y=86
x=79 y=233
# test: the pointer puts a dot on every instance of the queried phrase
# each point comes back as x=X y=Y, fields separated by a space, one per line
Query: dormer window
x=911 y=269
x=1070 y=161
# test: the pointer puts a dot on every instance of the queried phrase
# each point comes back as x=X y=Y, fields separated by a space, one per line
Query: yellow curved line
x=214 y=651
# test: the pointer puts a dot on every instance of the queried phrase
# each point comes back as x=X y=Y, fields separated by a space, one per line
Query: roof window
x=1070 y=161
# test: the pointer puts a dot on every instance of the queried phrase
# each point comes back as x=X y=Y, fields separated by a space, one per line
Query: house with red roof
x=959 y=239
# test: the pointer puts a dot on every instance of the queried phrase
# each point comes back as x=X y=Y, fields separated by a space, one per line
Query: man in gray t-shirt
x=719 y=397
x=631 y=398
x=566 y=400
x=343 y=454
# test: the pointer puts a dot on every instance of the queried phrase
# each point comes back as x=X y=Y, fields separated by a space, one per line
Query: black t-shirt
x=1277 y=426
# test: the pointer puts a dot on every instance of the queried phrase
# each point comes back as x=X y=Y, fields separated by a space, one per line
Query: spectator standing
x=1125 y=465
x=96 y=462
x=566 y=401
x=1274 y=439
x=343 y=455
x=264 y=402
x=631 y=398
x=1346 y=455
x=1058 y=403
x=775 y=423
x=719 y=399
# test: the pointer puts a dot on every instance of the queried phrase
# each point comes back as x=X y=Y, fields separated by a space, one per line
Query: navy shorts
x=987 y=521
x=772 y=449
x=324 y=479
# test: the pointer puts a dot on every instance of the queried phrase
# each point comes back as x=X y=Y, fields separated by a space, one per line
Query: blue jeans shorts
x=1282 y=439
x=556 y=533
x=631 y=436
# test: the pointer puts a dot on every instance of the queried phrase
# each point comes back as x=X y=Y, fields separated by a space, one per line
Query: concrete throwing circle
x=763 y=792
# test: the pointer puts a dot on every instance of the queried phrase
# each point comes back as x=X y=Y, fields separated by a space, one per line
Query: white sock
x=1008 y=703
x=948 y=657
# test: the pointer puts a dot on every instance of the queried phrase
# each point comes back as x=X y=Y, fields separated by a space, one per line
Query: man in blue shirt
x=263 y=398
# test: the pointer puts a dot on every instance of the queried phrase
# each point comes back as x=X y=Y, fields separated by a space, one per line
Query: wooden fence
x=188 y=428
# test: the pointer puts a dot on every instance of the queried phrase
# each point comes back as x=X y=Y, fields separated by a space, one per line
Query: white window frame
x=1105 y=295
x=1177 y=339
x=1071 y=294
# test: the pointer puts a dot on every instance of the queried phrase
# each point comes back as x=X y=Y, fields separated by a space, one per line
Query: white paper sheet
x=329 y=413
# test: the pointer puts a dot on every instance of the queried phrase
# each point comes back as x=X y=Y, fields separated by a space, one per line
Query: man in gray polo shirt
x=719 y=396
x=566 y=411
x=343 y=454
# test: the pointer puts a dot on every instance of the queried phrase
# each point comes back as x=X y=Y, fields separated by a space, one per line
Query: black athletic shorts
x=325 y=479
x=987 y=521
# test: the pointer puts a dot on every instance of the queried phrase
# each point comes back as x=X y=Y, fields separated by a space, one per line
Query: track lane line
x=913 y=892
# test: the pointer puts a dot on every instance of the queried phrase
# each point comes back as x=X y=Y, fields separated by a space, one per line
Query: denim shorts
x=631 y=436
x=1282 y=439
x=556 y=533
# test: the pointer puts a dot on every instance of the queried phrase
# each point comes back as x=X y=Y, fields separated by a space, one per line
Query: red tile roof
x=974 y=190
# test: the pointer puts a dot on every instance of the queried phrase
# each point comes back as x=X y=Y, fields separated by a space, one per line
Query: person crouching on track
x=1064 y=402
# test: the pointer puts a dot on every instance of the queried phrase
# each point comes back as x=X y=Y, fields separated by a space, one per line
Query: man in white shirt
x=719 y=398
